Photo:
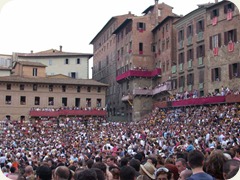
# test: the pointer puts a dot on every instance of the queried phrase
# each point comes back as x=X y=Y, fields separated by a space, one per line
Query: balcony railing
x=139 y=73
x=128 y=97
x=161 y=88
x=150 y=92
x=142 y=92
x=66 y=112
x=199 y=101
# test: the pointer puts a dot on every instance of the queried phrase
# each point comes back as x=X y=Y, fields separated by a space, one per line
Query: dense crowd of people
x=201 y=142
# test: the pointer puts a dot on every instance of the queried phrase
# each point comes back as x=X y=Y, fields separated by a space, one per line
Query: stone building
x=74 y=65
x=161 y=54
x=29 y=93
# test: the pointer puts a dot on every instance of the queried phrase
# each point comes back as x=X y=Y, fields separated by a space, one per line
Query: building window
x=99 y=89
x=77 y=102
x=64 y=101
x=214 y=13
x=9 y=86
x=200 y=26
x=181 y=58
x=88 y=102
x=230 y=36
x=190 y=79
x=22 y=87
x=51 y=101
x=189 y=30
x=63 y=88
x=234 y=70
x=182 y=81
x=201 y=76
x=73 y=75
x=37 y=101
x=216 y=74
x=88 y=89
x=35 y=72
x=201 y=51
x=99 y=103
x=228 y=7
x=50 y=87
x=78 y=61
x=66 y=61
x=78 y=88
x=140 y=48
x=190 y=54
x=180 y=35
x=215 y=41
x=8 y=100
x=174 y=84
x=50 y=62
x=34 y=87
x=23 y=100
x=141 y=26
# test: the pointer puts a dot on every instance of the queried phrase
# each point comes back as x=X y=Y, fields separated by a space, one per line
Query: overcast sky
x=39 y=25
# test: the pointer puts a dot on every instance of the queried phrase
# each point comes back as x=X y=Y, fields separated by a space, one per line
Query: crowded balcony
x=139 y=72
x=56 y=112
x=127 y=97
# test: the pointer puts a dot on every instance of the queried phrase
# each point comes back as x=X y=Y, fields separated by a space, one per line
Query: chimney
x=216 y=1
x=156 y=12
x=31 y=51
x=60 y=47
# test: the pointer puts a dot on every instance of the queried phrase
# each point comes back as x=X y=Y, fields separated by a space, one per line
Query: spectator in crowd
x=230 y=168
x=62 y=173
x=162 y=173
x=185 y=174
x=181 y=165
x=196 y=160
x=127 y=173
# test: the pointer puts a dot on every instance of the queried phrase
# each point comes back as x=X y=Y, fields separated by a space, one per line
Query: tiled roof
x=51 y=80
x=53 y=52
x=28 y=63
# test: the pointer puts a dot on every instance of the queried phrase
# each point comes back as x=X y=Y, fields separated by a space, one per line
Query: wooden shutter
x=238 y=69
x=235 y=35
x=210 y=42
x=219 y=40
x=226 y=38
x=203 y=48
x=219 y=74
x=230 y=71
x=197 y=54
x=203 y=25
x=213 y=75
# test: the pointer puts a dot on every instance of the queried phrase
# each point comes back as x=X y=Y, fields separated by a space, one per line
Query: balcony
x=145 y=92
x=199 y=101
x=67 y=112
x=128 y=97
x=161 y=88
x=139 y=73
